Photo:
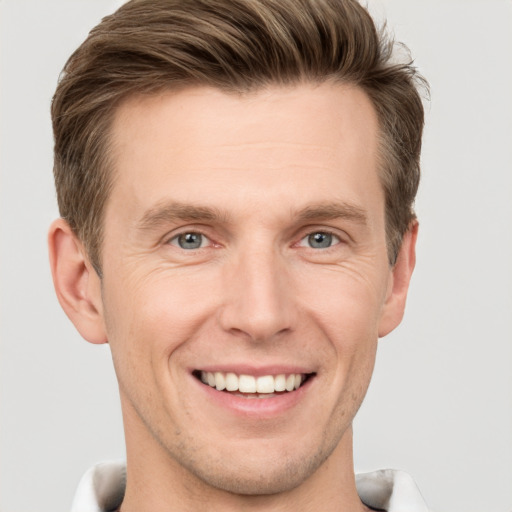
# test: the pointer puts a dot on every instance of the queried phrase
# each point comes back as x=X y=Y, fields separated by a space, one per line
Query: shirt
x=102 y=487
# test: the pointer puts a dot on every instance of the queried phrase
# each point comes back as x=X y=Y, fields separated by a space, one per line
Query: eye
x=189 y=241
x=320 y=240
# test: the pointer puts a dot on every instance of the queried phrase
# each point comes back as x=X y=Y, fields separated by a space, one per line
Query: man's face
x=245 y=246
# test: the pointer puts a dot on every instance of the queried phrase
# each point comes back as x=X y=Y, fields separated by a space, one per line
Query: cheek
x=345 y=302
x=346 y=306
x=152 y=315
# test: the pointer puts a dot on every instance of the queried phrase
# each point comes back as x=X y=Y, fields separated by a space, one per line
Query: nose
x=259 y=303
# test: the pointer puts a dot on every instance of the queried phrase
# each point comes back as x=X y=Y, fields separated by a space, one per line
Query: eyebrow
x=333 y=211
x=171 y=212
x=166 y=213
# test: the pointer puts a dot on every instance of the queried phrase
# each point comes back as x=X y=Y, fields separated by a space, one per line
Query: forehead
x=307 y=113
x=306 y=140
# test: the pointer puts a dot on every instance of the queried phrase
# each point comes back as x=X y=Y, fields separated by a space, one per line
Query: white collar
x=391 y=490
x=102 y=487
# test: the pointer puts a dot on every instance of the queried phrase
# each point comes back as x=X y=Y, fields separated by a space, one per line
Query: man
x=236 y=181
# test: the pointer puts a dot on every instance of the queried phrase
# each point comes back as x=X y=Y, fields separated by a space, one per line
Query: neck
x=156 y=482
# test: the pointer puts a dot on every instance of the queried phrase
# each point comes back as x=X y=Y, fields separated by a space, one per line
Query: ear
x=77 y=285
x=394 y=307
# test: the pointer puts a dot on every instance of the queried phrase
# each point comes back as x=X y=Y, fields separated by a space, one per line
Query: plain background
x=440 y=404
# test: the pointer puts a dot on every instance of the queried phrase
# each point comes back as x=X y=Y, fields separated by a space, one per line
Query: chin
x=261 y=471
x=271 y=478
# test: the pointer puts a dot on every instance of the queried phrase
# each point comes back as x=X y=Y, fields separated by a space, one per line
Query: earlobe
x=77 y=285
x=394 y=306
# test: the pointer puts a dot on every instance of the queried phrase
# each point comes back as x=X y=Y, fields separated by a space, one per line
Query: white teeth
x=259 y=387
x=247 y=384
x=265 y=384
x=290 y=382
x=280 y=382
x=220 y=381
x=231 y=382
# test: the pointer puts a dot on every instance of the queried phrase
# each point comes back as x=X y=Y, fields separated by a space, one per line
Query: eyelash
x=184 y=233
x=335 y=239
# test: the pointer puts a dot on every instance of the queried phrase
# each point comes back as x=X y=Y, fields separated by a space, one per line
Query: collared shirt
x=102 y=490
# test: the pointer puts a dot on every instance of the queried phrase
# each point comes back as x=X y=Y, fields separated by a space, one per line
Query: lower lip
x=257 y=407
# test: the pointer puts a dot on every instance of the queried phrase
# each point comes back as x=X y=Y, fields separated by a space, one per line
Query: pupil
x=320 y=240
x=190 y=240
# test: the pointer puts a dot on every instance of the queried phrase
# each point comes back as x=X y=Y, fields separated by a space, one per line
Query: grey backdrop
x=440 y=404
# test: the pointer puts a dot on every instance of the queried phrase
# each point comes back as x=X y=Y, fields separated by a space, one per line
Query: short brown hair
x=236 y=46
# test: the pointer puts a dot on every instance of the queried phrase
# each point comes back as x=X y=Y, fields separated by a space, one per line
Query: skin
x=274 y=166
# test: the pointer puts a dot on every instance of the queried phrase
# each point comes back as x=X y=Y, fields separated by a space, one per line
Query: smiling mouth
x=249 y=386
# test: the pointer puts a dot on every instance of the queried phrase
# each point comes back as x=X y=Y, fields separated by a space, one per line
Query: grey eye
x=189 y=241
x=320 y=240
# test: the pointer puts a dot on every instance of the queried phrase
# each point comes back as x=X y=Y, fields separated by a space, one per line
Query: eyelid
x=324 y=231
x=340 y=234
x=170 y=237
x=205 y=242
